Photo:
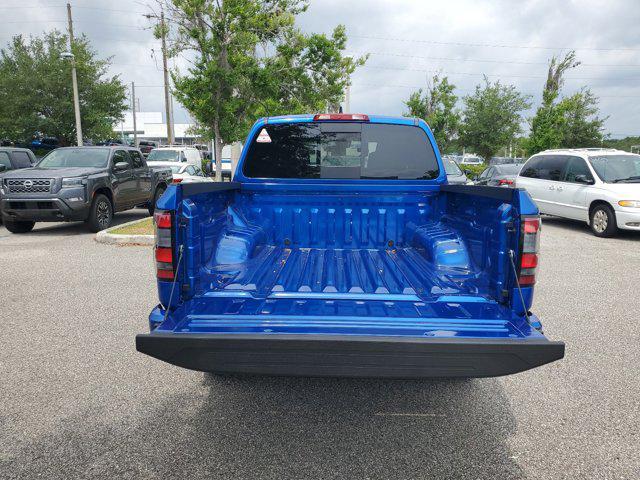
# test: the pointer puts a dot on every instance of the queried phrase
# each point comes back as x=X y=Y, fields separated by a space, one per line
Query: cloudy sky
x=408 y=41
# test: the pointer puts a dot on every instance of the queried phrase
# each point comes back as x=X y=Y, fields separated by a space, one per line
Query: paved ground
x=77 y=401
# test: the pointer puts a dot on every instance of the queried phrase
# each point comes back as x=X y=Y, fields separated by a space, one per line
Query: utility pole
x=133 y=112
x=74 y=79
x=347 y=99
x=167 y=104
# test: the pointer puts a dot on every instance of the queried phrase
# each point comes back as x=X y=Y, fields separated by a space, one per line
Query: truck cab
x=339 y=249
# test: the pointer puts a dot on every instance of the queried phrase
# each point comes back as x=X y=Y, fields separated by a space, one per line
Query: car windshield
x=617 y=168
x=76 y=157
x=162 y=155
x=342 y=150
x=176 y=169
x=451 y=167
x=510 y=169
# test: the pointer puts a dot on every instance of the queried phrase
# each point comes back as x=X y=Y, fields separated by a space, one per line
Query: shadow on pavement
x=581 y=227
x=261 y=427
x=80 y=228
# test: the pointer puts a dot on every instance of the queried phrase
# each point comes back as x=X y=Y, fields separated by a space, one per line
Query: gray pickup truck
x=85 y=184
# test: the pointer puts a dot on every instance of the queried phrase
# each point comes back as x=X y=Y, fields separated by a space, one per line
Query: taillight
x=163 y=252
x=504 y=181
x=177 y=180
x=530 y=249
x=343 y=117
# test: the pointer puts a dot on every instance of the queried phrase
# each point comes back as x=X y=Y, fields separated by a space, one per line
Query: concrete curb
x=104 y=236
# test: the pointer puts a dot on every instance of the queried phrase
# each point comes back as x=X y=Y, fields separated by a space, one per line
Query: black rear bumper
x=349 y=356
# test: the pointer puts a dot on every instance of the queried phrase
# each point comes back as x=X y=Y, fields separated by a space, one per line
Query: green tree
x=627 y=143
x=436 y=106
x=580 y=126
x=250 y=61
x=570 y=122
x=36 y=96
x=492 y=117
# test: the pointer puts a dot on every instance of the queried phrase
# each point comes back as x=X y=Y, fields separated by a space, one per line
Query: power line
x=380 y=67
x=486 y=45
x=514 y=62
x=388 y=85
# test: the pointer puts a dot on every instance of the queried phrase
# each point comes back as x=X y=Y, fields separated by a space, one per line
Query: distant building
x=149 y=126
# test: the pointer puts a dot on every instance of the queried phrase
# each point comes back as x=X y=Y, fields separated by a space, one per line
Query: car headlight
x=629 y=203
x=73 y=182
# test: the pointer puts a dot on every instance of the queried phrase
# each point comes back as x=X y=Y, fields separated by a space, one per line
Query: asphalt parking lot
x=77 y=401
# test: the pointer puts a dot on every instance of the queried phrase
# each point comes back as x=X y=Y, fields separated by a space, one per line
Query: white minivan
x=597 y=185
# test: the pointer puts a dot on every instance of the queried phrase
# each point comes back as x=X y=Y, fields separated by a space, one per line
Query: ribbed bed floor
x=275 y=270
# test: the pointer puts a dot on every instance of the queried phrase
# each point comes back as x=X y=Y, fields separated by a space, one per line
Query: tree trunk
x=217 y=146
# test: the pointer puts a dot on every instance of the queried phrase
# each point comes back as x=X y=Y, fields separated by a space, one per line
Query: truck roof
x=309 y=117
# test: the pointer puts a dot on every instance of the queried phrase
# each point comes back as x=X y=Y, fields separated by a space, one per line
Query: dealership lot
x=78 y=401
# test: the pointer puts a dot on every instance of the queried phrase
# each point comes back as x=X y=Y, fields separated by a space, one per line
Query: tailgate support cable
x=173 y=284
x=515 y=274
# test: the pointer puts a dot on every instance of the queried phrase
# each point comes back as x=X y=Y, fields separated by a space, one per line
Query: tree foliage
x=570 y=122
x=437 y=107
x=36 y=96
x=250 y=61
x=492 y=117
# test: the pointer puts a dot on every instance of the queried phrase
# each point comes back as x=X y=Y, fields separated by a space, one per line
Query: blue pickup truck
x=340 y=250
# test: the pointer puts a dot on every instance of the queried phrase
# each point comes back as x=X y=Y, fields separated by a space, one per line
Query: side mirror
x=120 y=166
x=584 y=179
x=3 y=167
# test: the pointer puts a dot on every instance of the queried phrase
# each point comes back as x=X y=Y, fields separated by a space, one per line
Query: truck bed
x=402 y=273
x=339 y=269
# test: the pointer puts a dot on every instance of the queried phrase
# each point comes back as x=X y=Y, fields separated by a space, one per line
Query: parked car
x=146 y=146
x=504 y=161
x=471 y=160
x=499 y=175
x=114 y=142
x=455 y=175
x=175 y=154
x=226 y=168
x=80 y=183
x=340 y=251
x=185 y=173
x=14 y=158
x=595 y=185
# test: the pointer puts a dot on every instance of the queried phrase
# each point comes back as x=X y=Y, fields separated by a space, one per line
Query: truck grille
x=27 y=185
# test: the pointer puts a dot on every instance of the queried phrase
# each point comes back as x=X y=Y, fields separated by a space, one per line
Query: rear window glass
x=341 y=151
x=511 y=169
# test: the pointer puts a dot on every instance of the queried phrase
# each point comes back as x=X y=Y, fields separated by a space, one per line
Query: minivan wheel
x=17 y=226
x=101 y=214
x=603 y=221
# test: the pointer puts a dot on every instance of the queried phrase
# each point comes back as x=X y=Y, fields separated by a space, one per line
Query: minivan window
x=532 y=168
x=617 y=168
x=547 y=167
x=341 y=151
x=577 y=166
